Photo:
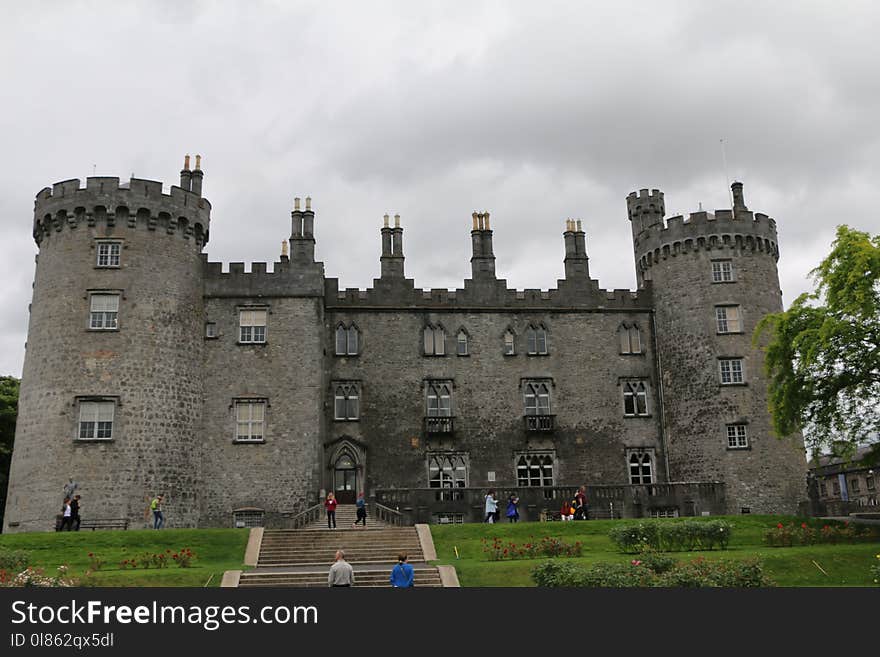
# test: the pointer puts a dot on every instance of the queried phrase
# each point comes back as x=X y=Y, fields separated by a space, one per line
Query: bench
x=104 y=523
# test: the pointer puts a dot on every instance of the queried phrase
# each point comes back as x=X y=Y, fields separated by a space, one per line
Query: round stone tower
x=713 y=277
x=111 y=393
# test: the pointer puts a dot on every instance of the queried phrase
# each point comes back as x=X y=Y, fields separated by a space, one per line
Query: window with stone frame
x=835 y=487
x=346 y=400
x=509 y=343
x=250 y=420
x=96 y=418
x=447 y=470
x=439 y=398
x=536 y=397
x=461 y=343
x=434 y=340
x=635 y=398
x=823 y=489
x=722 y=271
x=630 y=339
x=869 y=482
x=728 y=319
x=641 y=466
x=731 y=370
x=737 y=436
x=854 y=485
x=104 y=311
x=108 y=253
x=347 y=340
x=536 y=340
x=534 y=469
x=252 y=325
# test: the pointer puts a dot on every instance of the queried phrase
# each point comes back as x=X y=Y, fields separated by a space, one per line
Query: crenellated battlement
x=287 y=279
x=139 y=203
x=478 y=298
x=707 y=231
x=736 y=228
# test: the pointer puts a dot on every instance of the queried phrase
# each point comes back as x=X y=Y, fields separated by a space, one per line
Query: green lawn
x=216 y=550
x=845 y=564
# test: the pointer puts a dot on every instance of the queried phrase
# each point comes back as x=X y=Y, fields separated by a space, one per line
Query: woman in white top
x=491 y=506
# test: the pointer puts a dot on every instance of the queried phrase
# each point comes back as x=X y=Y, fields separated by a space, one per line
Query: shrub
x=684 y=535
x=36 y=577
x=184 y=557
x=655 y=561
x=14 y=559
x=549 y=546
x=875 y=571
x=699 y=573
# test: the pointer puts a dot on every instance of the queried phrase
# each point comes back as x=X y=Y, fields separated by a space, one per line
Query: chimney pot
x=186 y=162
x=198 y=161
x=308 y=202
x=386 y=220
x=397 y=221
x=296 y=203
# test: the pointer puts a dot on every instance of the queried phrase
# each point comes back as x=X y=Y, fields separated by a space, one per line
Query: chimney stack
x=186 y=175
x=392 y=249
x=197 y=176
x=483 y=259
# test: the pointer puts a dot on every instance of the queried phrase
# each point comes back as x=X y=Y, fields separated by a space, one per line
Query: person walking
x=74 y=513
x=491 y=506
x=341 y=572
x=403 y=574
x=361 y=505
x=156 y=508
x=66 y=515
x=330 y=505
x=512 y=508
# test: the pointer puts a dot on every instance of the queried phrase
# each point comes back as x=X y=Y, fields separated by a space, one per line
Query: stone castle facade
x=244 y=396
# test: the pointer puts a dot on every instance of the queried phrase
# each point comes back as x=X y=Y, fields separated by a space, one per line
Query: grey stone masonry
x=245 y=395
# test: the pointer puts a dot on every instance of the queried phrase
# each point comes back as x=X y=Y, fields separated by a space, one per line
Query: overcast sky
x=535 y=111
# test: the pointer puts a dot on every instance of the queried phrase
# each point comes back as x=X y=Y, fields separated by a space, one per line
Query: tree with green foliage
x=9 y=387
x=823 y=357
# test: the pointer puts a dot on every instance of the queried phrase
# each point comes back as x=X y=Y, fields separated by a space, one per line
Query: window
x=737 y=437
x=104 y=314
x=536 y=339
x=722 y=271
x=439 y=399
x=728 y=319
x=435 y=341
x=210 y=329
x=664 y=512
x=108 y=254
x=635 y=398
x=537 y=398
x=731 y=370
x=461 y=343
x=640 y=467
x=250 y=421
x=869 y=482
x=346 y=340
x=447 y=471
x=96 y=420
x=854 y=485
x=630 y=339
x=346 y=401
x=252 y=324
x=509 y=349
x=835 y=487
x=534 y=470
x=448 y=518
x=247 y=518
x=823 y=490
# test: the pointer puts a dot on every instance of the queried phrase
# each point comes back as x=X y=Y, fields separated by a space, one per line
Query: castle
x=244 y=396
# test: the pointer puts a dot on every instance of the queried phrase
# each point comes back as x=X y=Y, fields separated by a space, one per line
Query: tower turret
x=112 y=389
x=713 y=277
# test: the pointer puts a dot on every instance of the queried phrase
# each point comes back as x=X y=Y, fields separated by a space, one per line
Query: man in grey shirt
x=341 y=572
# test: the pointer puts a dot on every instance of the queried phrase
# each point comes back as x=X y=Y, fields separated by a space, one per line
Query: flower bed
x=681 y=536
x=783 y=535
x=548 y=546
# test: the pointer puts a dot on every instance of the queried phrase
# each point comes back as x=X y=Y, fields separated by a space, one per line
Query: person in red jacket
x=330 y=505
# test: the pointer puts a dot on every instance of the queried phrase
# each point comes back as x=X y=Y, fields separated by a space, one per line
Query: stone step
x=424 y=577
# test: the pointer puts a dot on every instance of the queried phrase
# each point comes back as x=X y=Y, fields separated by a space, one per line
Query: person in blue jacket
x=402 y=575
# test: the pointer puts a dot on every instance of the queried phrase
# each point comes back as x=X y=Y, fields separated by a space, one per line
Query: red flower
x=803 y=525
x=91 y=555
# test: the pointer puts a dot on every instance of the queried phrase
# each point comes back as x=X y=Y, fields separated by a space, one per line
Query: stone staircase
x=346 y=514
x=302 y=557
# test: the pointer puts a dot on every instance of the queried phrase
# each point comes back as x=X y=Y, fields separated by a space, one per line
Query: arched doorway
x=345 y=478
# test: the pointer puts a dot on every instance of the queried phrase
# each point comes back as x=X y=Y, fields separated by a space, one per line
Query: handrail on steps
x=303 y=518
x=387 y=514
